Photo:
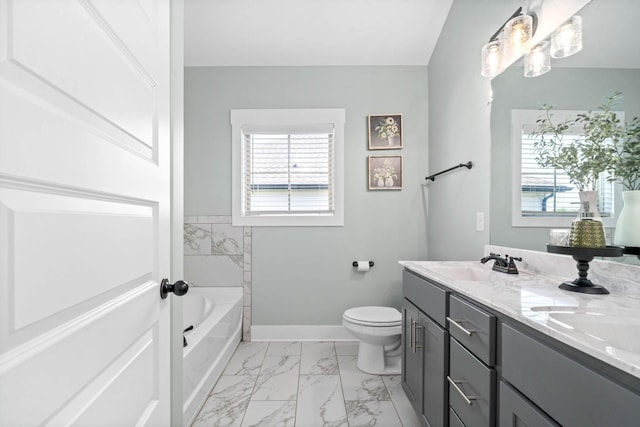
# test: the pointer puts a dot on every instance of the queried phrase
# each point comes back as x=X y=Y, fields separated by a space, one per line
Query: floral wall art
x=385 y=172
x=385 y=131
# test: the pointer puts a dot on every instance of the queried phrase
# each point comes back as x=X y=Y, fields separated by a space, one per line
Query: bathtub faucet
x=184 y=339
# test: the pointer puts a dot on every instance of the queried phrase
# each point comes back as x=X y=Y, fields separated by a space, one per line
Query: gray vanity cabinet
x=467 y=365
x=517 y=411
x=425 y=346
x=567 y=390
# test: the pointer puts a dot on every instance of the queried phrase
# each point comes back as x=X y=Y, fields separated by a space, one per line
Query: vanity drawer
x=429 y=298
x=472 y=388
x=578 y=396
x=474 y=328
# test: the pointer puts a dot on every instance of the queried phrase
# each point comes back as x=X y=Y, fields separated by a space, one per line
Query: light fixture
x=517 y=34
x=508 y=43
x=492 y=64
x=537 y=61
x=567 y=39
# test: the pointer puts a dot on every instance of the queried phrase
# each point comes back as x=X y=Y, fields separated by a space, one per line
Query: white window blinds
x=549 y=191
x=288 y=170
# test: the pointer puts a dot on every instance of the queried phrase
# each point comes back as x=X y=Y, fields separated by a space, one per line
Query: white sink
x=613 y=331
x=466 y=273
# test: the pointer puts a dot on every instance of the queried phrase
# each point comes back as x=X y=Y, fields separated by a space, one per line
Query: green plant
x=625 y=164
x=596 y=148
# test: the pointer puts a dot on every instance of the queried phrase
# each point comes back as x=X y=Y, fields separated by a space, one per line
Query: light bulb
x=537 y=61
x=517 y=34
x=492 y=61
x=567 y=39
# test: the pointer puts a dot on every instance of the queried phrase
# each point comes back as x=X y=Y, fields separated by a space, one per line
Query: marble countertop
x=606 y=327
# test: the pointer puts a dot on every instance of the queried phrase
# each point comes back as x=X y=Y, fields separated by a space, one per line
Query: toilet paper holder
x=355 y=263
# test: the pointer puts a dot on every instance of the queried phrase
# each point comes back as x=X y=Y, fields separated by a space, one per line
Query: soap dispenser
x=587 y=230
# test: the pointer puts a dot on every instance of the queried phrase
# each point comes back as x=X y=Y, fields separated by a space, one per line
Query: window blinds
x=288 y=171
x=549 y=191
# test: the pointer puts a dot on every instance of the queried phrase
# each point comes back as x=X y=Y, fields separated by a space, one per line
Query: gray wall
x=303 y=275
x=459 y=112
x=566 y=89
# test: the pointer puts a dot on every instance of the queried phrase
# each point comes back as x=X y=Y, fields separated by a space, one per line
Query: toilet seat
x=373 y=316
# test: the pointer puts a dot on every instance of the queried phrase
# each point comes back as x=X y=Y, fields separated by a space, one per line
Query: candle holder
x=583 y=256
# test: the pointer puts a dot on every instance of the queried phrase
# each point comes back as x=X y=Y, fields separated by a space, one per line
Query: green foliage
x=606 y=144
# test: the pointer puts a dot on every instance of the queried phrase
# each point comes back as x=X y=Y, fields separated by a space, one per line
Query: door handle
x=179 y=288
x=419 y=329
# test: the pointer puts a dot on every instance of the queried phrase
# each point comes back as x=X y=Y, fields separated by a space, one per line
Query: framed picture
x=385 y=172
x=385 y=131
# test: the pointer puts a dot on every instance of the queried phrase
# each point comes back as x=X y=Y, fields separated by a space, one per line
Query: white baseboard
x=300 y=333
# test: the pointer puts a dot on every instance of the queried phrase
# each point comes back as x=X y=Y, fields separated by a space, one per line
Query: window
x=288 y=167
x=546 y=197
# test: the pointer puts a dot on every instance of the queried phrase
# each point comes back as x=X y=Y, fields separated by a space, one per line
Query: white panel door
x=84 y=212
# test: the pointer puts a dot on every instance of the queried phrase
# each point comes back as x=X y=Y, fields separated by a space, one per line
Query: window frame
x=287 y=119
x=519 y=118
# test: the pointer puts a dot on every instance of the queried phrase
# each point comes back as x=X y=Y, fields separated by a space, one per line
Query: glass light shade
x=492 y=62
x=537 y=61
x=517 y=34
x=567 y=39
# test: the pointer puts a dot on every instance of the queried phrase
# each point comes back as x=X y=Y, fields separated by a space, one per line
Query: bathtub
x=216 y=316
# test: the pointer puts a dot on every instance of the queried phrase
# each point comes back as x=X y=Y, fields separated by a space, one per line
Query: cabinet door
x=435 y=389
x=411 y=355
x=516 y=411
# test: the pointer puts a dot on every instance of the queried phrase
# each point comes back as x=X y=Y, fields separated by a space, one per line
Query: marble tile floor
x=304 y=384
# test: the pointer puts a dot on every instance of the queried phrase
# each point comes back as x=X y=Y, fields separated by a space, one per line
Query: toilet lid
x=374 y=316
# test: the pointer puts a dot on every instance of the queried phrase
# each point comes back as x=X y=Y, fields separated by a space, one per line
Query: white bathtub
x=216 y=315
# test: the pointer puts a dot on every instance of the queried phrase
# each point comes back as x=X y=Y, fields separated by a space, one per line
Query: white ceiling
x=312 y=32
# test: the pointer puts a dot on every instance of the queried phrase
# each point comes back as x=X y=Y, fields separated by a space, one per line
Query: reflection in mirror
x=607 y=63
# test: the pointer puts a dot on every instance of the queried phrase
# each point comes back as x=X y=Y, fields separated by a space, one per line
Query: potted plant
x=605 y=144
x=583 y=157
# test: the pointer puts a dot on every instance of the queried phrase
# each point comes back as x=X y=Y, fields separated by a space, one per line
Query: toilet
x=379 y=330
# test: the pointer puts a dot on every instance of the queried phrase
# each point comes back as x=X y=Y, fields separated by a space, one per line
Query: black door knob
x=179 y=288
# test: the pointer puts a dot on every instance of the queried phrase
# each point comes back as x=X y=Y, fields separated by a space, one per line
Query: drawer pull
x=466 y=398
x=459 y=326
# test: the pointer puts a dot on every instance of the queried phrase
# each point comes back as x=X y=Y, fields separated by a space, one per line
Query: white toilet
x=379 y=330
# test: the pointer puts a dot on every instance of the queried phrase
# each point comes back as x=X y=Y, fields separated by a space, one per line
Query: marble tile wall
x=219 y=254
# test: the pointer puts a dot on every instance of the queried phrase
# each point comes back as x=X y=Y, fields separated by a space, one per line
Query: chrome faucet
x=503 y=265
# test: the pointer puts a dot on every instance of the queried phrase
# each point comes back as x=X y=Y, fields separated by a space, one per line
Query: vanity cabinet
x=425 y=350
x=563 y=387
x=469 y=365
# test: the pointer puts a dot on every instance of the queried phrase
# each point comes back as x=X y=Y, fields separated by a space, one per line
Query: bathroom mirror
x=608 y=62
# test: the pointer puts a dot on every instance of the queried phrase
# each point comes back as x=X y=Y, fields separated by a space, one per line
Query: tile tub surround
x=218 y=254
x=527 y=297
x=304 y=384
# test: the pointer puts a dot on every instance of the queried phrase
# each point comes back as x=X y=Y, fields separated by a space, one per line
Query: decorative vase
x=380 y=182
x=628 y=225
x=390 y=138
x=587 y=230
x=388 y=182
